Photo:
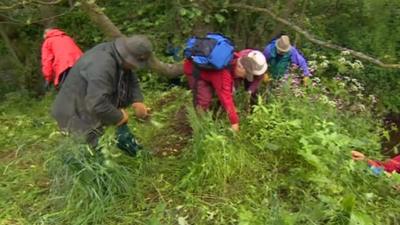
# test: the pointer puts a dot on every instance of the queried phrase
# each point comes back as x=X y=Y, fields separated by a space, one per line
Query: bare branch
x=313 y=39
x=97 y=15
x=24 y=3
x=170 y=70
x=20 y=22
x=111 y=31
x=47 y=3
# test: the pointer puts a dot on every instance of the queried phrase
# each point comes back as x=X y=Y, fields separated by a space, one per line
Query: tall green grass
x=289 y=164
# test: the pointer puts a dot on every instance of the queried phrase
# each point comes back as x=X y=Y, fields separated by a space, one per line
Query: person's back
x=59 y=53
x=75 y=87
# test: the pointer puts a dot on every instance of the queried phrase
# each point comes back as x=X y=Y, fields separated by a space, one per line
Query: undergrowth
x=289 y=164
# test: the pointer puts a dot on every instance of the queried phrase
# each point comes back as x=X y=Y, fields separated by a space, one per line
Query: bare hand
x=235 y=127
x=124 y=118
x=357 y=156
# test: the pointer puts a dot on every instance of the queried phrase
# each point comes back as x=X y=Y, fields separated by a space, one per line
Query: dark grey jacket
x=95 y=88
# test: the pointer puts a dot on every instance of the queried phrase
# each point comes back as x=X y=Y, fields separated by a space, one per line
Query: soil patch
x=175 y=137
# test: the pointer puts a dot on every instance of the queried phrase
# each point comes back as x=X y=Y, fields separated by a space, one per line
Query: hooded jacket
x=278 y=65
x=59 y=52
x=94 y=91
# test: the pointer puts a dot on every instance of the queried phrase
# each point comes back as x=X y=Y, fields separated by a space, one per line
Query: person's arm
x=137 y=91
x=99 y=77
x=224 y=93
x=267 y=51
x=47 y=62
x=187 y=67
x=141 y=110
x=299 y=60
x=253 y=86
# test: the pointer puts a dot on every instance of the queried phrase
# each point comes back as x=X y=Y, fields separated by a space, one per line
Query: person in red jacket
x=59 y=54
x=390 y=166
x=244 y=66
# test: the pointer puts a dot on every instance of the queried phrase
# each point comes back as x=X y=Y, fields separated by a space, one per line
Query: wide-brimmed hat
x=283 y=44
x=254 y=63
x=134 y=50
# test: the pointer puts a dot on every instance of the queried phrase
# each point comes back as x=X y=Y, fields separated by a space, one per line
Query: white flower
x=324 y=64
x=332 y=103
x=345 y=52
x=342 y=60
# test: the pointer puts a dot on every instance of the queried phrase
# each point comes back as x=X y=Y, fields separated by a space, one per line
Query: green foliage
x=278 y=170
x=290 y=163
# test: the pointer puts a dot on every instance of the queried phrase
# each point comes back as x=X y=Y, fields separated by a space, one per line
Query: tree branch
x=313 y=39
x=97 y=15
x=23 y=3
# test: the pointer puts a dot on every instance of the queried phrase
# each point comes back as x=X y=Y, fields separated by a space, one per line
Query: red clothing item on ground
x=220 y=81
x=251 y=87
x=391 y=165
x=59 y=52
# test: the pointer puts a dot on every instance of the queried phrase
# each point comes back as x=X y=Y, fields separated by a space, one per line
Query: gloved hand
x=126 y=141
x=306 y=80
x=141 y=110
x=266 y=78
x=47 y=85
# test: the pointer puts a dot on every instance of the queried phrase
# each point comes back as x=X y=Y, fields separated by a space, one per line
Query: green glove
x=126 y=141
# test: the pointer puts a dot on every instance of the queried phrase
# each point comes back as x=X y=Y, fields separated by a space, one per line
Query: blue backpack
x=215 y=51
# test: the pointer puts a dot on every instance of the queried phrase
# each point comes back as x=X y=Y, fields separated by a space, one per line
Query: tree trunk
x=289 y=8
x=111 y=31
x=302 y=17
x=97 y=15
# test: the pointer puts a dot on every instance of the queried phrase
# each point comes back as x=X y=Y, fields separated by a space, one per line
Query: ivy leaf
x=358 y=218
x=220 y=18
x=183 y=11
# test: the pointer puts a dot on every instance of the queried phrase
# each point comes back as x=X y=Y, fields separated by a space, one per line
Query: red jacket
x=222 y=83
x=391 y=165
x=59 y=52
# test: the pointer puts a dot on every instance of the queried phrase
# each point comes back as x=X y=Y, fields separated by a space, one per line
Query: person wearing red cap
x=245 y=65
x=59 y=54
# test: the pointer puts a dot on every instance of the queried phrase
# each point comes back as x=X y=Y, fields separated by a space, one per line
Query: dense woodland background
x=367 y=26
x=290 y=164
